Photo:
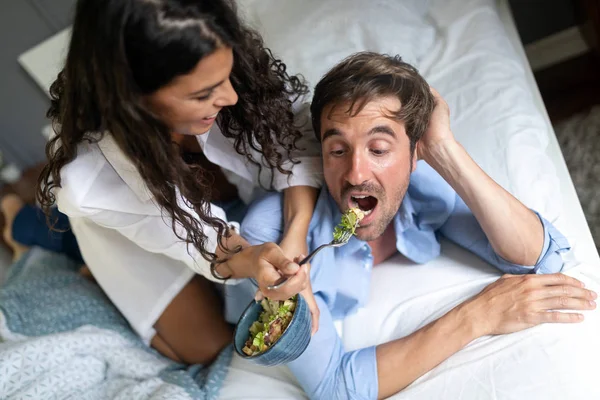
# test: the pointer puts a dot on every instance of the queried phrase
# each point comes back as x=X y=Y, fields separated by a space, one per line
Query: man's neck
x=384 y=246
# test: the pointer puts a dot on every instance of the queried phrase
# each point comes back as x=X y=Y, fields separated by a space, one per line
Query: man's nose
x=226 y=96
x=358 y=171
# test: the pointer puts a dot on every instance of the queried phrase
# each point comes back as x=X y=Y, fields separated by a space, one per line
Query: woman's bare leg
x=192 y=328
x=10 y=205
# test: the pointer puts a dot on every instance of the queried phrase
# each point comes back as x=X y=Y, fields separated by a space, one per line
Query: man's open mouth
x=365 y=202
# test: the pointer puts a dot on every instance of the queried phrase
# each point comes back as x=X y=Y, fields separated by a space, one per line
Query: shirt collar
x=405 y=216
x=124 y=166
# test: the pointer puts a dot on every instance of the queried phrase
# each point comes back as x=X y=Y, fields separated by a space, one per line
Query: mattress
x=545 y=362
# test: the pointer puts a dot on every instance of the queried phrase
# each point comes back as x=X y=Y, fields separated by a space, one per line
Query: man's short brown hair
x=366 y=76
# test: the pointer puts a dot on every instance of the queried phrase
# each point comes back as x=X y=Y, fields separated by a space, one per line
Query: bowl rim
x=253 y=302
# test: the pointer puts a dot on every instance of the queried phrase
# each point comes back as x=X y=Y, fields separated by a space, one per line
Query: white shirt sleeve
x=309 y=169
x=154 y=234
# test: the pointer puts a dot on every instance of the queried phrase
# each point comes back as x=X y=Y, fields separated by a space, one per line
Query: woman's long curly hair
x=122 y=50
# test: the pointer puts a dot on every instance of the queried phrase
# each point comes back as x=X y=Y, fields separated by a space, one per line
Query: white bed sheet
x=546 y=362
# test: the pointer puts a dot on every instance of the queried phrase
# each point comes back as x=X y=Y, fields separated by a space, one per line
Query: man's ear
x=415 y=158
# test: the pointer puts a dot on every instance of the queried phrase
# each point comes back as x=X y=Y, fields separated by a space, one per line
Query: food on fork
x=350 y=221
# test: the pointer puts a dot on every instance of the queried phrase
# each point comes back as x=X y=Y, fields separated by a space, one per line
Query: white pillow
x=311 y=36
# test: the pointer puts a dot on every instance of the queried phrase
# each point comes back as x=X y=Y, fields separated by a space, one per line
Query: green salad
x=350 y=220
x=272 y=322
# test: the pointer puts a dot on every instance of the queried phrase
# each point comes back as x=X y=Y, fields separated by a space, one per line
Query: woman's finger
x=293 y=286
x=310 y=298
x=274 y=256
x=266 y=275
x=313 y=307
x=258 y=296
x=290 y=268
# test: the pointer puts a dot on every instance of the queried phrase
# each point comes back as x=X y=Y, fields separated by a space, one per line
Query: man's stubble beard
x=386 y=219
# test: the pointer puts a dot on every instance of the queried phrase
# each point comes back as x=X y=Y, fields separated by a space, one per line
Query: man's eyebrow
x=331 y=132
x=382 y=129
x=208 y=89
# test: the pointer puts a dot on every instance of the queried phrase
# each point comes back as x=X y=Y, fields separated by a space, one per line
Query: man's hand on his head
x=438 y=132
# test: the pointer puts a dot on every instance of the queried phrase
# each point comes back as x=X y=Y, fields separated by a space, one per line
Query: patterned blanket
x=61 y=338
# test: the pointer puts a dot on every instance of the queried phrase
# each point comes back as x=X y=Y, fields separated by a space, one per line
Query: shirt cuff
x=355 y=378
x=368 y=358
x=549 y=261
x=555 y=243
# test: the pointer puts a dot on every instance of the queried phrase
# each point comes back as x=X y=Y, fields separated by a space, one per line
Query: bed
x=475 y=44
x=470 y=51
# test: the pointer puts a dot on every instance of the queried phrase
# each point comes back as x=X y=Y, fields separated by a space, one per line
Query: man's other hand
x=517 y=302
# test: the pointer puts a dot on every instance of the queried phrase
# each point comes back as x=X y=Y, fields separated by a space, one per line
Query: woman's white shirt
x=127 y=241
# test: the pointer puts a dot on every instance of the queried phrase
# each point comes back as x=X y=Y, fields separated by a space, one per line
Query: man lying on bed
x=375 y=117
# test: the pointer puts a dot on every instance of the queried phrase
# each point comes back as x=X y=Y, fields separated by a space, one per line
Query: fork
x=334 y=243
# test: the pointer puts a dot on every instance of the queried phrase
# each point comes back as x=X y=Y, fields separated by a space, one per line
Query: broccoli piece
x=259 y=340
x=349 y=223
x=282 y=311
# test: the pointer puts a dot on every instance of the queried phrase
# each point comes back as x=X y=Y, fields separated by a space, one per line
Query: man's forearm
x=514 y=231
x=401 y=362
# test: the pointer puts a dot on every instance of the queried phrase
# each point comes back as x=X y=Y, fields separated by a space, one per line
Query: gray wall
x=23 y=104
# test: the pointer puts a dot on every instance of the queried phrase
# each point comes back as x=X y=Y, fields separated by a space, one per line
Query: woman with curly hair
x=171 y=115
